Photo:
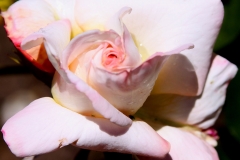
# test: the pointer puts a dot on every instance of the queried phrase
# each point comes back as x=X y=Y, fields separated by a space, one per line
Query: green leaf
x=231 y=26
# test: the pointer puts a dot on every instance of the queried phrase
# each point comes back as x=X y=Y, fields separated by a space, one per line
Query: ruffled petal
x=44 y=126
x=128 y=89
x=160 y=26
x=201 y=111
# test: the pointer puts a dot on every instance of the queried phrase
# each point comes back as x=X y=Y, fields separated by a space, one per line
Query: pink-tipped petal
x=201 y=111
x=160 y=26
x=23 y=18
x=44 y=126
x=55 y=37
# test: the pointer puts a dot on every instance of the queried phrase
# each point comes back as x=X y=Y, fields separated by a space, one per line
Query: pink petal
x=186 y=146
x=128 y=88
x=44 y=126
x=160 y=26
x=202 y=110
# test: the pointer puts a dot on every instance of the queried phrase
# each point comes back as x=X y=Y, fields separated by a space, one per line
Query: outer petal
x=202 y=110
x=22 y=19
x=44 y=126
x=162 y=25
x=186 y=146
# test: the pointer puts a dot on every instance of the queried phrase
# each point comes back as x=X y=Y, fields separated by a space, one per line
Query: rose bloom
x=135 y=76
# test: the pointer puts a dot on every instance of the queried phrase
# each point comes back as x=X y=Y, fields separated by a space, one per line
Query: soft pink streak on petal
x=44 y=126
x=201 y=111
x=127 y=89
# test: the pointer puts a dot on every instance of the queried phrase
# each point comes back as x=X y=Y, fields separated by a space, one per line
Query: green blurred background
x=228 y=124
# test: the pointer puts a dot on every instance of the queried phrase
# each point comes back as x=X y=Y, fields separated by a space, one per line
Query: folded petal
x=73 y=93
x=160 y=26
x=44 y=126
x=201 y=111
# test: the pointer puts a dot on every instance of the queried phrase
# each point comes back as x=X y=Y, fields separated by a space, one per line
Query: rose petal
x=44 y=126
x=75 y=94
x=186 y=146
x=128 y=89
x=132 y=58
x=55 y=36
x=66 y=10
x=23 y=18
x=115 y=23
x=162 y=25
x=202 y=110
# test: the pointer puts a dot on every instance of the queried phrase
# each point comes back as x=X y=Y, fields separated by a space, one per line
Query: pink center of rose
x=112 y=55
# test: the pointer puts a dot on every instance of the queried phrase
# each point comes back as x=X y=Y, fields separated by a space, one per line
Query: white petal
x=201 y=111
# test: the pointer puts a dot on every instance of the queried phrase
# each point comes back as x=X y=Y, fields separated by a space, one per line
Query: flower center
x=112 y=55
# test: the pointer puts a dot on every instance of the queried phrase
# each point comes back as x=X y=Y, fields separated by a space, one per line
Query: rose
x=113 y=55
